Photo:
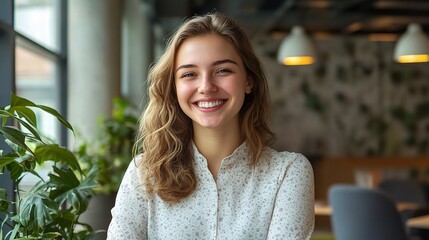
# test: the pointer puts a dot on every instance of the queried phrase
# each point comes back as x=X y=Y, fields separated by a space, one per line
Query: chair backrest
x=363 y=213
x=404 y=190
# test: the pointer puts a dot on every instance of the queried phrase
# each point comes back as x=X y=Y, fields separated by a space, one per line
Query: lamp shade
x=296 y=49
x=412 y=46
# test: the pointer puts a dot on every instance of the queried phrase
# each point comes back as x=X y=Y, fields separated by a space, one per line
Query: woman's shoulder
x=134 y=164
x=134 y=171
x=285 y=156
x=284 y=159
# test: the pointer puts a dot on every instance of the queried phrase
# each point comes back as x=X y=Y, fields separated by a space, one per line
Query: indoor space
x=348 y=88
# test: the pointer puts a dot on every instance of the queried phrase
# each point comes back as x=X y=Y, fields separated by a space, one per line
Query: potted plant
x=111 y=151
x=112 y=148
x=52 y=207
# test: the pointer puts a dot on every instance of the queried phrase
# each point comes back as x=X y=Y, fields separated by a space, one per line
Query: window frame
x=7 y=77
x=8 y=38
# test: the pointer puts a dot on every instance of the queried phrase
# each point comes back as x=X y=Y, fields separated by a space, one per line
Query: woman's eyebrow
x=224 y=61
x=213 y=64
x=186 y=66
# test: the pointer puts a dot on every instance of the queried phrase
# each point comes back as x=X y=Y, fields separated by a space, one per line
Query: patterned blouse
x=272 y=200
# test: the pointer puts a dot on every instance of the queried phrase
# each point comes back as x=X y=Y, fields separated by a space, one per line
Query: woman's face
x=211 y=81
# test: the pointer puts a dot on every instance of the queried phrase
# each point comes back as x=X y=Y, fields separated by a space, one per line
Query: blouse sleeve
x=293 y=215
x=129 y=215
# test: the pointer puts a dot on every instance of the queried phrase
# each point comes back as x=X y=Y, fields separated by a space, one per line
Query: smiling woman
x=205 y=171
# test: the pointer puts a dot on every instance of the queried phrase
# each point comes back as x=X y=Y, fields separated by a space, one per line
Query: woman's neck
x=216 y=144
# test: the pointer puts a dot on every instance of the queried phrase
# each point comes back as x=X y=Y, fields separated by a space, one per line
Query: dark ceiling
x=261 y=17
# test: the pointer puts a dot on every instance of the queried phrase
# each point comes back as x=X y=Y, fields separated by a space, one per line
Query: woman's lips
x=209 y=104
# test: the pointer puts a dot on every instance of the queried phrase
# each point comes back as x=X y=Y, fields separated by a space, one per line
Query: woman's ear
x=249 y=85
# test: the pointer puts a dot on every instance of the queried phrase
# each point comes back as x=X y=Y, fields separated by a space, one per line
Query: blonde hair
x=165 y=132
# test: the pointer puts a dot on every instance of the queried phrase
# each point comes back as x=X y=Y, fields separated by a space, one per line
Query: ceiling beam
x=274 y=18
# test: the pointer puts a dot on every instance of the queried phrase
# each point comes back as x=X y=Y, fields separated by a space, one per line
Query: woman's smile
x=211 y=104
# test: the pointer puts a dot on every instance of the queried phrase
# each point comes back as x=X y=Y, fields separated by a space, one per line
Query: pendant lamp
x=412 y=46
x=296 y=48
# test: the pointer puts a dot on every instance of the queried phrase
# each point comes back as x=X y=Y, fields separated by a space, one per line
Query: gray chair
x=362 y=213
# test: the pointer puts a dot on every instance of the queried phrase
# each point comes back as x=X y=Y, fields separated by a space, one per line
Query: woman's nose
x=206 y=84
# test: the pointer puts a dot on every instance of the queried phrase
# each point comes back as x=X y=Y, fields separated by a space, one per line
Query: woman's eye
x=187 y=75
x=224 y=70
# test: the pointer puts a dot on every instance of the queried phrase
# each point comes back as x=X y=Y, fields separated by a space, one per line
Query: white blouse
x=272 y=200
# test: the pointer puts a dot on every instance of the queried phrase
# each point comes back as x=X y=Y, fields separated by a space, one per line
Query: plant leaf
x=19 y=151
x=26 y=122
x=31 y=128
x=53 y=152
x=50 y=235
x=70 y=190
x=4 y=203
x=2 y=194
x=4 y=161
x=22 y=102
x=1 y=226
x=37 y=209
x=64 y=178
x=56 y=114
x=85 y=236
x=15 y=170
x=13 y=233
x=66 y=219
x=15 y=136
x=29 y=238
x=5 y=115
x=19 y=101
x=26 y=113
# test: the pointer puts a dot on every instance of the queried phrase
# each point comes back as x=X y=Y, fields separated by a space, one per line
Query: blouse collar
x=240 y=155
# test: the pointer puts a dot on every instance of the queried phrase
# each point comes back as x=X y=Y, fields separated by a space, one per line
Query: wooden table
x=419 y=222
x=322 y=208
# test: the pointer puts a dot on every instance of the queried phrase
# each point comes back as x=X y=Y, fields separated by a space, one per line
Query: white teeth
x=209 y=104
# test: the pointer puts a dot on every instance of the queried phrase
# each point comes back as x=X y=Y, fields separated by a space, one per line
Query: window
x=39 y=20
x=38 y=63
x=36 y=79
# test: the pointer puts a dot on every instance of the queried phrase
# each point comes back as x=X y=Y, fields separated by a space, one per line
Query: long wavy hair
x=165 y=132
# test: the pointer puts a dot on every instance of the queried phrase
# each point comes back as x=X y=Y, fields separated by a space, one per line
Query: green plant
x=112 y=149
x=51 y=208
